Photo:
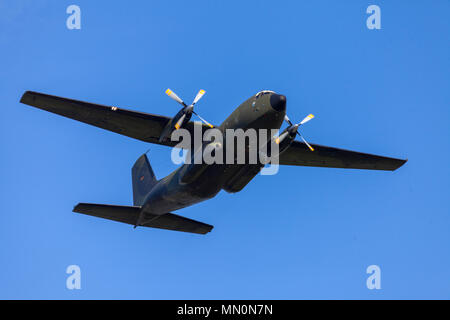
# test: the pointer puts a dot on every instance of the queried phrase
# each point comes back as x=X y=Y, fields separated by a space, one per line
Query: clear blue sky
x=303 y=233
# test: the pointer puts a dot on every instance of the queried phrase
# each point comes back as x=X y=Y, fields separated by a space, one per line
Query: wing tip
x=208 y=229
x=24 y=97
x=399 y=163
x=76 y=207
x=28 y=97
x=80 y=207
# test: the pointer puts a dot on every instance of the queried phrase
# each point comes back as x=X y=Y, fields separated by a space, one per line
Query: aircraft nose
x=278 y=102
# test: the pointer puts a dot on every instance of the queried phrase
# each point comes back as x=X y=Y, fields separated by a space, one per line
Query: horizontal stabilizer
x=175 y=222
x=130 y=215
x=125 y=214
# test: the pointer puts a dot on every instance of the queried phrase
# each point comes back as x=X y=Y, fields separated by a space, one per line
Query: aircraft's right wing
x=139 y=125
x=298 y=154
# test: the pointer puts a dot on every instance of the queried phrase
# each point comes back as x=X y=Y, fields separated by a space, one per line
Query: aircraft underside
x=153 y=199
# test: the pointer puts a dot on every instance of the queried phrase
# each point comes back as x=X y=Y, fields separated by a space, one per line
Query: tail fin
x=143 y=179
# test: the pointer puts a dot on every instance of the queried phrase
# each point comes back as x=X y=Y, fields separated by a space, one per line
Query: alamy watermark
x=374 y=280
x=73 y=281
x=374 y=20
x=234 y=146
x=74 y=20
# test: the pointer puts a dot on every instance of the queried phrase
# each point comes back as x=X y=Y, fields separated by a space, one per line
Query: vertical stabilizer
x=143 y=179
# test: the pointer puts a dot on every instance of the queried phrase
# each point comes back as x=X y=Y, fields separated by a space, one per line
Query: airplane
x=153 y=199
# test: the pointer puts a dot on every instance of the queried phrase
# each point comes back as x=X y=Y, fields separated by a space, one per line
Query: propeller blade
x=198 y=96
x=180 y=122
x=281 y=138
x=204 y=121
x=306 y=142
x=174 y=96
x=286 y=118
x=307 y=118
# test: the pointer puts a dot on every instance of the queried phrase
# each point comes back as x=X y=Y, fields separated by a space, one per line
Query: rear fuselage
x=265 y=110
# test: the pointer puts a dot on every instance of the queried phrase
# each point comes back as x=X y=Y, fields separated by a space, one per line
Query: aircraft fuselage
x=265 y=111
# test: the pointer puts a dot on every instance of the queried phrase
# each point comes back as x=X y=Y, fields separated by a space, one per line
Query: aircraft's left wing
x=298 y=154
x=139 y=125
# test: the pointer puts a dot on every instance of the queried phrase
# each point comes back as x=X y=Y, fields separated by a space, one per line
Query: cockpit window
x=263 y=92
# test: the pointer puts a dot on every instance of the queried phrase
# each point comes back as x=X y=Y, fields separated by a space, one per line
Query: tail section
x=143 y=179
x=130 y=215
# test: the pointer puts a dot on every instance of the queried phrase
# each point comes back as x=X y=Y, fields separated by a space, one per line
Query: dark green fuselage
x=265 y=111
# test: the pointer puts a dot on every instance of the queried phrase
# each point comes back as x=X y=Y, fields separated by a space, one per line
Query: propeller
x=187 y=109
x=292 y=130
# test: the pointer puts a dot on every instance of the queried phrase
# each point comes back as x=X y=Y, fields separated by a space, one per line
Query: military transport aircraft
x=192 y=183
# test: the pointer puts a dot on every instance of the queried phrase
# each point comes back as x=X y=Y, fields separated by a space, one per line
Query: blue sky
x=303 y=233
